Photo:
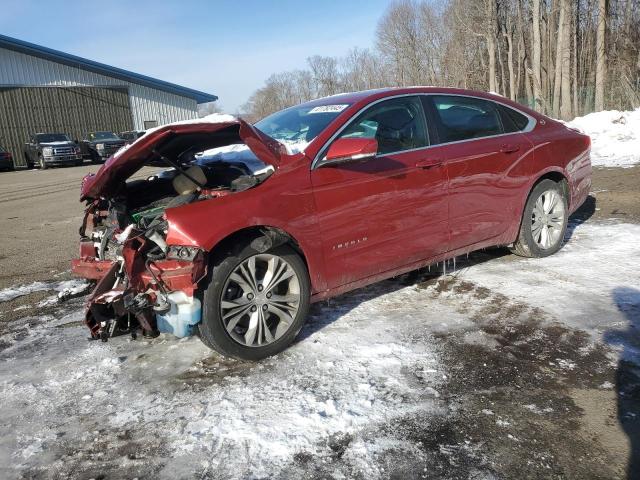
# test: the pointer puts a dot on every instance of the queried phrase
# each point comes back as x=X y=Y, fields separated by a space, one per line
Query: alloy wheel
x=547 y=219
x=260 y=300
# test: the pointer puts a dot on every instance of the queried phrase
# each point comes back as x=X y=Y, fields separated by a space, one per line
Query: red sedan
x=253 y=222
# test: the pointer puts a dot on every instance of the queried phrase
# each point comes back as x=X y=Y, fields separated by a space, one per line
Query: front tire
x=544 y=221
x=255 y=303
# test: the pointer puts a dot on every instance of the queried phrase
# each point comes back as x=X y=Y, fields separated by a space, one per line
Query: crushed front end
x=142 y=281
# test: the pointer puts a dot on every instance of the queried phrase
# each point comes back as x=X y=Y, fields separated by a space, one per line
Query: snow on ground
x=363 y=360
x=585 y=284
x=615 y=137
x=67 y=287
x=356 y=366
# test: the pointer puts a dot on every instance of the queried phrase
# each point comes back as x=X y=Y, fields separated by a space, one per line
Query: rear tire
x=544 y=221
x=276 y=322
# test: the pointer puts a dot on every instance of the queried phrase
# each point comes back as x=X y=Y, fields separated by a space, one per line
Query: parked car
x=98 y=146
x=6 y=160
x=130 y=137
x=46 y=149
x=314 y=201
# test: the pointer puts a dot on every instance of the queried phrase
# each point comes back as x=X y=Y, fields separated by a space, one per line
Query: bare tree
x=565 y=60
x=601 y=54
x=537 y=64
x=554 y=53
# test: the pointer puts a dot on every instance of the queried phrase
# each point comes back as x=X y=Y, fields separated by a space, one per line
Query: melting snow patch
x=582 y=285
x=351 y=371
x=66 y=287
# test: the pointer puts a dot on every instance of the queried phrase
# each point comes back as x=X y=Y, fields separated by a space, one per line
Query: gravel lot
x=505 y=368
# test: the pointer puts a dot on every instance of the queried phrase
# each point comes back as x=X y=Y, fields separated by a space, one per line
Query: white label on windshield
x=328 y=109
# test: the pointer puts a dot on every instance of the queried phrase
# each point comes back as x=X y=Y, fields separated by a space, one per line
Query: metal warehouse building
x=44 y=90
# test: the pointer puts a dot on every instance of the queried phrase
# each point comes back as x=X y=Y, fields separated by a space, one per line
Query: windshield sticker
x=328 y=109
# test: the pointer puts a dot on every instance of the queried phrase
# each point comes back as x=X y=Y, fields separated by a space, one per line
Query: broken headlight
x=179 y=252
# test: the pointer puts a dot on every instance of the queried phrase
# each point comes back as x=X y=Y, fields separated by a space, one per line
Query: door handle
x=429 y=163
x=508 y=148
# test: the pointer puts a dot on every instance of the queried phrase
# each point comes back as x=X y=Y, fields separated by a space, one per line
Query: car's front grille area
x=112 y=148
x=63 y=151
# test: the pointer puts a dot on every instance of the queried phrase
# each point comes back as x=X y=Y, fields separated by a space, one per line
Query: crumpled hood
x=131 y=158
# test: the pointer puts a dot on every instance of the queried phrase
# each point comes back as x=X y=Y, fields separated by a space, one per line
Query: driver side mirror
x=350 y=149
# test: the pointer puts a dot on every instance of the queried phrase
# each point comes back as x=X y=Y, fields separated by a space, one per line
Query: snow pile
x=615 y=137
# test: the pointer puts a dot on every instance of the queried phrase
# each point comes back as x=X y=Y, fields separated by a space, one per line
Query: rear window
x=465 y=118
x=513 y=121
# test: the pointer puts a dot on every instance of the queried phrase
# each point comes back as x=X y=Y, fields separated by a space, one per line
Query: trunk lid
x=132 y=157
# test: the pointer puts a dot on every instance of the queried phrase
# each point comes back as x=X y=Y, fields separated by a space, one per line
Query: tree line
x=563 y=58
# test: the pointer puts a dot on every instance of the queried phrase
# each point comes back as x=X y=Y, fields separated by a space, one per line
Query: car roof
x=366 y=96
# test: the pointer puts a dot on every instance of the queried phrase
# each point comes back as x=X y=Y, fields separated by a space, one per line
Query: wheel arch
x=554 y=174
x=264 y=237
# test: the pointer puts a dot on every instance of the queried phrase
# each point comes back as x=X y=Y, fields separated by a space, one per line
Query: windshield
x=103 y=136
x=52 y=137
x=299 y=124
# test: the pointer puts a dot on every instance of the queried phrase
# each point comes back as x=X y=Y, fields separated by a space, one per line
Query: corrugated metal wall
x=71 y=110
x=147 y=104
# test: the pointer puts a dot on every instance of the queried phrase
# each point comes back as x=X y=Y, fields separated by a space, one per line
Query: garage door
x=70 y=110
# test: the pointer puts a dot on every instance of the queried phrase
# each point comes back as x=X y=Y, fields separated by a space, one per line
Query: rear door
x=483 y=151
x=388 y=211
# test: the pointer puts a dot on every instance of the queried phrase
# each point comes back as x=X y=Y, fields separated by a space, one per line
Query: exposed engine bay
x=143 y=283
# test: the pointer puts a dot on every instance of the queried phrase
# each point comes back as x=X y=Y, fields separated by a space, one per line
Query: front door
x=385 y=212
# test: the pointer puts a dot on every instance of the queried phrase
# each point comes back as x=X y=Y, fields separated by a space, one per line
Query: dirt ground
x=40 y=214
x=617 y=193
x=525 y=395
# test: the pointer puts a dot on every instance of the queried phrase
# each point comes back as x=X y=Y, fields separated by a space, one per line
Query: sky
x=225 y=47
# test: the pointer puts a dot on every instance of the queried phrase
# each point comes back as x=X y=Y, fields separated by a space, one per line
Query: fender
x=207 y=223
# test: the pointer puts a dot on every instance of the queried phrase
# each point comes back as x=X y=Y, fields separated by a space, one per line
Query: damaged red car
x=250 y=223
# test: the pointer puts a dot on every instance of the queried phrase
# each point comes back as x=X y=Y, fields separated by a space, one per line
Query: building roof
x=96 y=67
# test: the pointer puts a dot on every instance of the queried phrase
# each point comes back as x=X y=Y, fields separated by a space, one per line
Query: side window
x=397 y=124
x=512 y=120
x=464 y=118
